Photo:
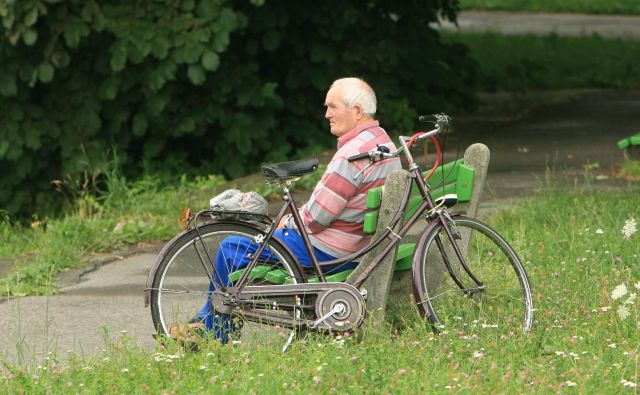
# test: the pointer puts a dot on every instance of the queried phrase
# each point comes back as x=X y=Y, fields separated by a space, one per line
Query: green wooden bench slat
x=462 y=187
x=258 y=272
x=629 y=141
x=277 y=276
x=370 y=222
x=458 y=179
x=449 y=171
x=333 y=278
x=374 y=198
x=624 y=143
x=464 y=183
x=414 y=201
x=404 y=257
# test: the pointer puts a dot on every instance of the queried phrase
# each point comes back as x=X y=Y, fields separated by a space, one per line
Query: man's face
x=341 y=118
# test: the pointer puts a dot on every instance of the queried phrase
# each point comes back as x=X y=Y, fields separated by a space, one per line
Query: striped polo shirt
x=334 y=215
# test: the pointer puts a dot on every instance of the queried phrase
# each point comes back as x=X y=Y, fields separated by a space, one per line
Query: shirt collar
x=345 y=138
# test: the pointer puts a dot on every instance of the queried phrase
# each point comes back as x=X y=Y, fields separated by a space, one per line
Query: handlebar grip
x=358 y=157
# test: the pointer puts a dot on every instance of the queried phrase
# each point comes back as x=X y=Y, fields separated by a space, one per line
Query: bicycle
x=465 y=274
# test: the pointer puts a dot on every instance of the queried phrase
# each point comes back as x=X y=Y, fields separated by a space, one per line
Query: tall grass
x=122 y=215
x=577 y=257
x=628 y=7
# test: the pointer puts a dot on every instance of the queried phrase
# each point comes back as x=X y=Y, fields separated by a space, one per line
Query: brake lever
x=364 y=169
x=381 y=150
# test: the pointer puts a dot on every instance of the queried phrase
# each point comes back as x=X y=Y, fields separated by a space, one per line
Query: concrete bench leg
x=632 y=152
x=378 y=283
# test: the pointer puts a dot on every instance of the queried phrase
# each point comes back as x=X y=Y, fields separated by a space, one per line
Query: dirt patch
x=5 y=267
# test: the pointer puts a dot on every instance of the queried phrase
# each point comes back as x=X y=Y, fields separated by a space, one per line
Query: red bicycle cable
x=438 y=157
x=438 y=152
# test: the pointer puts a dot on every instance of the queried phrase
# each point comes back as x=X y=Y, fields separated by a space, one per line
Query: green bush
x=208 y=86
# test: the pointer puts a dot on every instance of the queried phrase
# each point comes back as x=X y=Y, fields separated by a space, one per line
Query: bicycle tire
x=505 y=304
x=181 y=285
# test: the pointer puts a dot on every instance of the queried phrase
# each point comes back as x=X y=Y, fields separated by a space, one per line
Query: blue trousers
x=234 y=254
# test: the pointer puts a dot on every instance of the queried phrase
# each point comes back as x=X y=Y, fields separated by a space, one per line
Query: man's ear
x=359 y=112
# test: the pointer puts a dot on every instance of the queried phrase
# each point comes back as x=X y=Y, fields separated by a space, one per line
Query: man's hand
x=282 y=221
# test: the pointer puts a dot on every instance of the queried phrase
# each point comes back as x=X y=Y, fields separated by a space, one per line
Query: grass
x=524 y=62
x=630 y=169
x=625 y=7
x=576 y=255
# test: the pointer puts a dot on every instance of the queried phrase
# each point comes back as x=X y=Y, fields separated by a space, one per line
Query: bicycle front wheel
x=183 y=281
x=487 y=289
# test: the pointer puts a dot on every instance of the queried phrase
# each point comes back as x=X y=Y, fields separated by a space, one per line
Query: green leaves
x=196 y=74
x=45 y=72
x=31 y=17
x=29 y=36
x=118 y=57
x=210 y=61
x=211 y=86
x=4 y=147
x=8 y=86
x=271 y=40
x=160 y=46
x=207 y=8
x=74 y=30
x=109 y=88
x=140 y=125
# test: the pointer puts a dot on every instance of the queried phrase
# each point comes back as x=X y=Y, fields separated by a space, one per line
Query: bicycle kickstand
x=337 y=309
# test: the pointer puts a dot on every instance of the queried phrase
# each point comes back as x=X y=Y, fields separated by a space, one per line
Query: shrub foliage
x=206 y=85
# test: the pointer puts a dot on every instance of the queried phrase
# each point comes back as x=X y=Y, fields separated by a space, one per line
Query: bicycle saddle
x=290 y=169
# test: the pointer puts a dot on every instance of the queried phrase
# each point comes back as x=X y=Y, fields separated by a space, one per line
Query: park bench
x=453 y=177
x=464 y=177
x=631 y=146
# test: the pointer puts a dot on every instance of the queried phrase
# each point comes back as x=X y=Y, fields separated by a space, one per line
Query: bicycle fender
x=186 y=233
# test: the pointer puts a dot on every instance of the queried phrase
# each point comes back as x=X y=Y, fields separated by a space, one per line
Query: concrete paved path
x=618 y=26
x=106 y=304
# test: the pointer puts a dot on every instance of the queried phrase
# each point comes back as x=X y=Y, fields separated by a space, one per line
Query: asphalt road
x=610 y=26
x=108 y=302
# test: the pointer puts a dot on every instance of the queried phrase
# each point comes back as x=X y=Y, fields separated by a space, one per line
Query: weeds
x=630 y=170
x=127 y=213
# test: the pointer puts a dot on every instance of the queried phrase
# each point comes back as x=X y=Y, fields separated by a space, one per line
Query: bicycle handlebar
x=361 y=156
x=442 y=124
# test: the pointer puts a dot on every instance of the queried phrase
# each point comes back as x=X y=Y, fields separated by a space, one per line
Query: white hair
x=357 y=92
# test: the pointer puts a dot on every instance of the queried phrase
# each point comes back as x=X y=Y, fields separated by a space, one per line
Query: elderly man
x=334 y=215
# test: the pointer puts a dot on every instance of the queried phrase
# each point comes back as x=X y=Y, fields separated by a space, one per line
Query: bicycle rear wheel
x=182 y=283
x=499 y=297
